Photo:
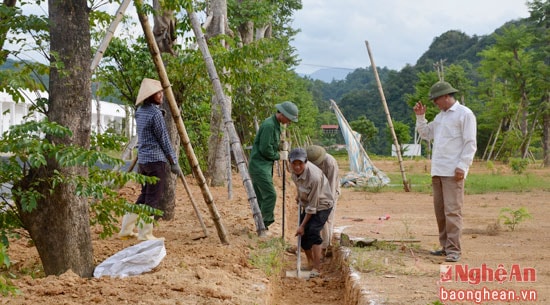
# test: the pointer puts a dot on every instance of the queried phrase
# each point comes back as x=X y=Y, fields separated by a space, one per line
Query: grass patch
x=475 y=183
x=481 y=184
x=268 y=256
x=383 y=258
x=387 y=257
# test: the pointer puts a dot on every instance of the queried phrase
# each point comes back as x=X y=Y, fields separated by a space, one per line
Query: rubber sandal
x=314 y=273
x=438 y=253
x=452 y=258
x=292 y=249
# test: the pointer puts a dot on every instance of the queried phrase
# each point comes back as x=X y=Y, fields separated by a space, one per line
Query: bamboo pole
x=228 y=121
x=406 y=184
x=109 y=35
x=229 y=171
x=197 y=212
x=201 y=181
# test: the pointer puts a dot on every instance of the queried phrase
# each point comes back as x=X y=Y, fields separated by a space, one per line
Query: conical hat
x=148 y=87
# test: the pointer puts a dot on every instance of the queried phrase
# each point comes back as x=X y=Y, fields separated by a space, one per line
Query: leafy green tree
x=366 y=128
x=15 y=28
x=47 y=199
x=327 y=118
x=255 y=82
x=403 y=134
x=59 y=189
x=396 y=87
x=540 y=26
x=509 y=66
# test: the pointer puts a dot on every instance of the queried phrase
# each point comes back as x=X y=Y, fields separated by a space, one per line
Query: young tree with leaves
x=509 y=67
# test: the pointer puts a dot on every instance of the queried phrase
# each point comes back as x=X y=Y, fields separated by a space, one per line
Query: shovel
x=298 y=272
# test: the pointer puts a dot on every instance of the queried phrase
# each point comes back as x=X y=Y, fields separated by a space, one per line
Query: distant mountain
x=328 y=75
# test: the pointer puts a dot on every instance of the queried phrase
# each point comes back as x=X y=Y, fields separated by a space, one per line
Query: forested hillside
x=463 y=61
x=512 y=56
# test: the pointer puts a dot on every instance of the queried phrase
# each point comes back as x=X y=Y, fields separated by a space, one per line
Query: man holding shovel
x=315 y=202
x=329 y=166
x=265 y=151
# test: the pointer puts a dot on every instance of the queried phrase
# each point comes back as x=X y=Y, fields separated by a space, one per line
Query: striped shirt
x=153 y=141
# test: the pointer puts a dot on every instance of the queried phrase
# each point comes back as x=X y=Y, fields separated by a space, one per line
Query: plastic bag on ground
x=133 y=260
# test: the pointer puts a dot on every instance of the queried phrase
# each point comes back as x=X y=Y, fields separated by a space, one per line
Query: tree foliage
x=493 y=84
x=510 y=70
x=366 y=128
x=502 y=77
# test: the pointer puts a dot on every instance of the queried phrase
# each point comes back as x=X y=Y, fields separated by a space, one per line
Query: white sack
x=133 y=260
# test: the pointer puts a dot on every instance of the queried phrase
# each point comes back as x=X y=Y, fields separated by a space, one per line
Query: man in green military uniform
x=265 y=150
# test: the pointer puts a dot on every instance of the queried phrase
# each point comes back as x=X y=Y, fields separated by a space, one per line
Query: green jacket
x=265 y=149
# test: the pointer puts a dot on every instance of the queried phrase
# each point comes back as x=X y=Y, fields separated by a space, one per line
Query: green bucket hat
x=316 y=154
x=289 y=110
x=441 y=88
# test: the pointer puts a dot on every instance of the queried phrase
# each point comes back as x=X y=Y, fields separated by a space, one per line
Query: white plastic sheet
x=133 y=260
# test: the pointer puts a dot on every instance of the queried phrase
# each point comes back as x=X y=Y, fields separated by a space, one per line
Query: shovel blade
x=302 y=274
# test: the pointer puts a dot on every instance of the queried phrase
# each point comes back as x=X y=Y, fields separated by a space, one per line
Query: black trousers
x=151 y=194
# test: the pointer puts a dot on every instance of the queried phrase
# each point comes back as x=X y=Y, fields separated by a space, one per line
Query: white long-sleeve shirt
x=454 y=139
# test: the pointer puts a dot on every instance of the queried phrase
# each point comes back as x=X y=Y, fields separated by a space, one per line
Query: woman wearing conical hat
x=155 y=153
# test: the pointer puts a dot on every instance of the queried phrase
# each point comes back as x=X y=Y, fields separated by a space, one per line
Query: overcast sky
x=333 y=32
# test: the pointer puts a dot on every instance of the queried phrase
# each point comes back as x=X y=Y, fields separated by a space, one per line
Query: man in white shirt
x=453 y=132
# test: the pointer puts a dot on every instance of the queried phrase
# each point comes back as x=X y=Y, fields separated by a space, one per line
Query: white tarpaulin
x=363 y=171
x=133 y=260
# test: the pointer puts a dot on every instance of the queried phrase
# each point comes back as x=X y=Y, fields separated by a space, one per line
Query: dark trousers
x=151 y=194
x=312 y=231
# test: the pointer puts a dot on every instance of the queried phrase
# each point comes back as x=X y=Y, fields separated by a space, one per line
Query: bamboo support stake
x=109 y=35
x=406 y=184
x=188 y=190
x=197 y=212
x=228 y=121
x=201 y=181
x=132 y=165
x=229 y=172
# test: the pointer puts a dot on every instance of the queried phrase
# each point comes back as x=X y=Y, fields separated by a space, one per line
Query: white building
x=111 y=115
x=410 y=150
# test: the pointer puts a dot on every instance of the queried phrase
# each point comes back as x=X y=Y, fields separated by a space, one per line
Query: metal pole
x=284 y=198
x=298 y=248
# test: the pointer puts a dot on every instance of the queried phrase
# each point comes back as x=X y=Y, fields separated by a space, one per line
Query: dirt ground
x=396 y=270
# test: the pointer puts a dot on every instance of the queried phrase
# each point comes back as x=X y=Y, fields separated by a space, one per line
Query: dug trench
x=251 y=270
